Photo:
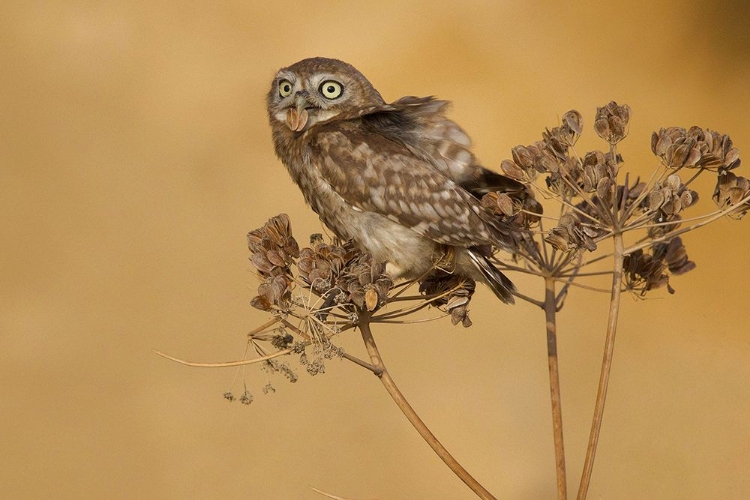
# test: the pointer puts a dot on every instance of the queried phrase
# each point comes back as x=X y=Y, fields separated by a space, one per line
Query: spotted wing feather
x=374 y=173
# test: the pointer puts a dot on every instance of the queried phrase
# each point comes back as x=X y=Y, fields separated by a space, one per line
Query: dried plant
x=316 y=293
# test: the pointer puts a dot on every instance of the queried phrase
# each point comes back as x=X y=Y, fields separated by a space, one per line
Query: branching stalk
x=609 y=346
x=412 y=416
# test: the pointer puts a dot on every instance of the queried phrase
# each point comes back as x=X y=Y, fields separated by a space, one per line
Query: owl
x=398 y=179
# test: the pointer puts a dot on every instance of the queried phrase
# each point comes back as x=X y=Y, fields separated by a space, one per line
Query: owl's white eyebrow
x=287 y=76
x=321 y=77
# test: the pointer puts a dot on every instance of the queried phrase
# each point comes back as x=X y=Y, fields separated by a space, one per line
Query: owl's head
x=318 y=89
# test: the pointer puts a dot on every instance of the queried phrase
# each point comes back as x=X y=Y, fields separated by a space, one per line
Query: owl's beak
x=296 y=117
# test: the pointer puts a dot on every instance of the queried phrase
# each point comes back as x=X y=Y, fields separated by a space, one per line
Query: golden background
x=136 y=155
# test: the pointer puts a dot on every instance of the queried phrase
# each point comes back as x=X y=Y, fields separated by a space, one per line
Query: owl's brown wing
x=423 y=127
x=375 y=173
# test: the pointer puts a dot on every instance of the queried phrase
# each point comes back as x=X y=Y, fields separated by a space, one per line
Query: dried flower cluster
x=521 y=210
x=273 y=251
x=571 y=234
x=645 y=271
x=695 y=148
x=732 y=191
x=611 y=122
x=594 y=204
x=345 y=278
x=316 y=292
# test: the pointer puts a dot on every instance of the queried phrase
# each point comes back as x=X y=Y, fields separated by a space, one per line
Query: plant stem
x=411 y=415
x=609 y=346
x=550 y=310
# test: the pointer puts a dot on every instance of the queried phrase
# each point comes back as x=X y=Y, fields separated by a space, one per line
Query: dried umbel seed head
x=518 y=209
x=320 y=266
x=730 y=191
x=572 y=125
x=558 y=140
x=665 y=227
x=524 y=156
x=274 y=291
x=282 y=340
x=454 y=294
x=571 y=234
x=530 y=160
x=599 y=169
x=695 y=148
x=648 y=271
x=273 y=247
x=675 y=256
x=273 y=251
x=717 y=150
x=643 y=273
x=611 y=122
x=547 y=156
x=669 y=198
x=512 y=170
x=364 y=282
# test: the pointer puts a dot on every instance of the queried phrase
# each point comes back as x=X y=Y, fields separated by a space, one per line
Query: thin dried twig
x=329 y=495
x=550 y=310
x=224 y=364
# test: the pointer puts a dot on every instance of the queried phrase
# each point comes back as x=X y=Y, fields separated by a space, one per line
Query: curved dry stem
x=329 y=495
x=224 y=364
x=412 y=416
x=550 y=310
x=609 y=346
x=242 y=362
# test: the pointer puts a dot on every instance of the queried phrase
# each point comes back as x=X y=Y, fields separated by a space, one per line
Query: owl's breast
x=333 y=210
x=408 y=253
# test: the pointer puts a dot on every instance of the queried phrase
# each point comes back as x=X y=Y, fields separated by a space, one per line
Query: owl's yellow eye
x=285 y=88
x=331 y=89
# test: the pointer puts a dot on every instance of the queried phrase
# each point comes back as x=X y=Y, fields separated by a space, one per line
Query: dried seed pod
x=523 y=157
x=611 y=122
x=456 y=302
x=730 y=190
x=498 y=203
x=574 y=122
x=512 y=170
x=371 y=299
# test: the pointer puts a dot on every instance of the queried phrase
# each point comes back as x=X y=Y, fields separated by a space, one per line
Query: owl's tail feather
x=497 y=281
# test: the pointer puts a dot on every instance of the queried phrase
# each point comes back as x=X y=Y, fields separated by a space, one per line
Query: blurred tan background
x=135 y=156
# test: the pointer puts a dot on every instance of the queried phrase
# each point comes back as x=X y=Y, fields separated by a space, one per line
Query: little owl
x=398 y=179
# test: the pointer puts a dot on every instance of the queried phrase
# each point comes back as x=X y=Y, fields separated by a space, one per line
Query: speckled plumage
x=399 y=179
